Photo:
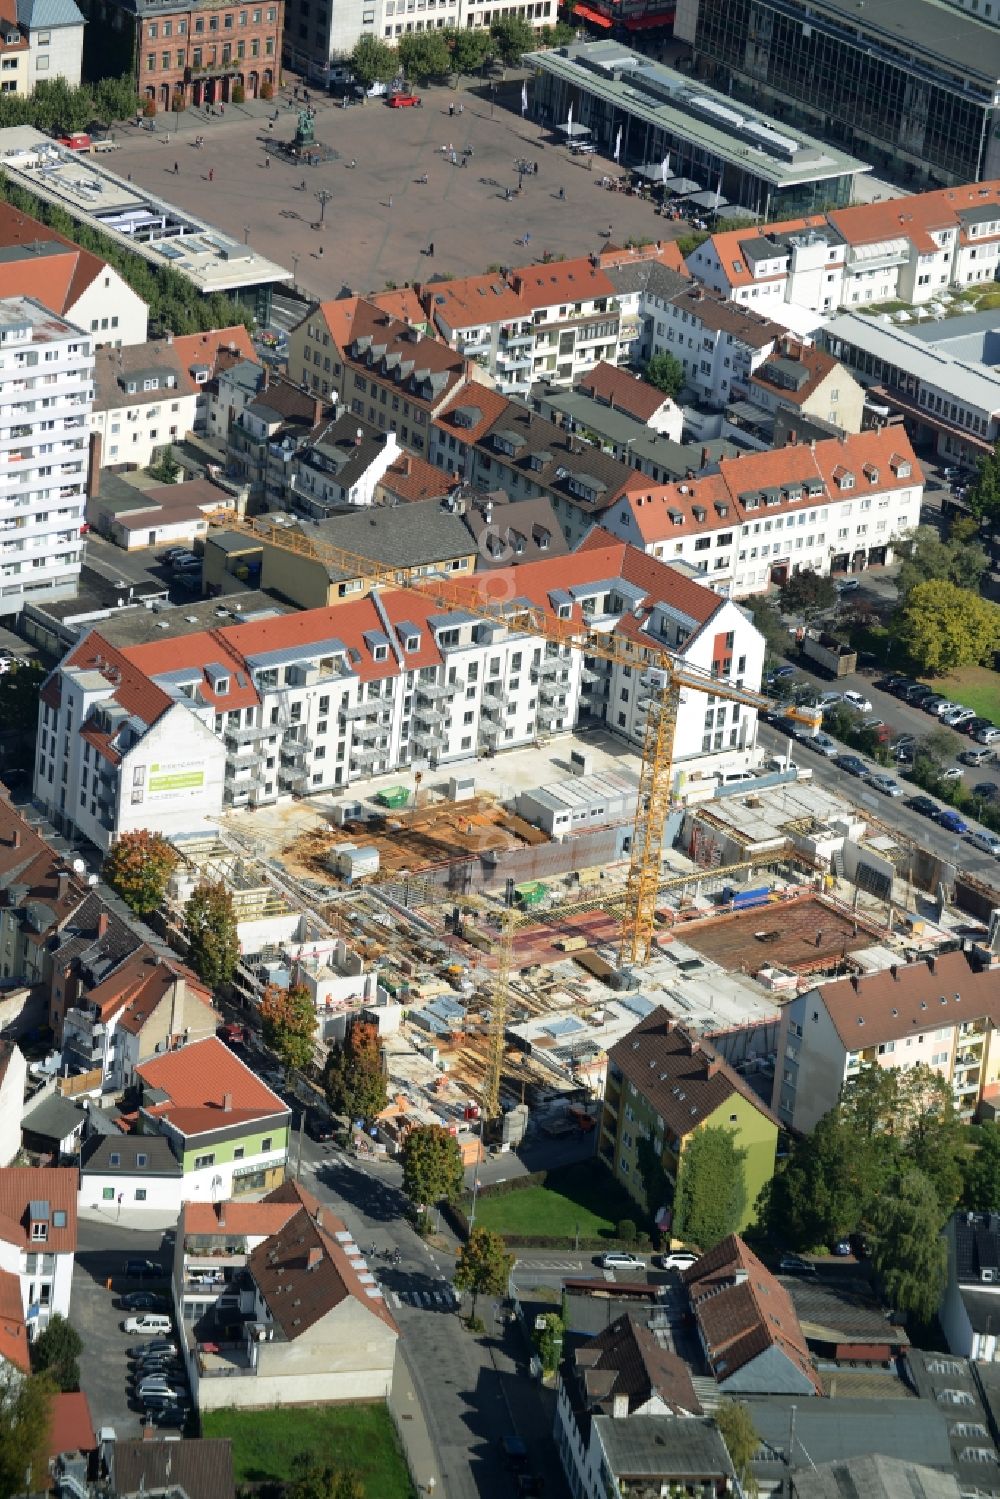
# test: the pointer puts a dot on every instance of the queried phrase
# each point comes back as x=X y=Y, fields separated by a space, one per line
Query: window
x=267 y=1143
x=201 y=1161
x=239 y=1152
x=108 y=1194
x=39 y=1233
x=140 y=1194
x=142 y=1158
x=115 y=1158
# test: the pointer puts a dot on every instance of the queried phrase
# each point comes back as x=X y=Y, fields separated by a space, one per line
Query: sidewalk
x=408 y=1415
x=151 y=1220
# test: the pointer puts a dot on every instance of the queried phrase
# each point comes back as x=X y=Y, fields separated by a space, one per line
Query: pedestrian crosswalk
x=442 y=1301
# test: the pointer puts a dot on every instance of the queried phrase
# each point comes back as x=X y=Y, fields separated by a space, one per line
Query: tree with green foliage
x=373 y=61
x=926 y=558
x=666 y=372
x=559 y=35
x=983 y=495
x=932 y=1131
x=483 y=1266
x=826 y=1187
x=432 y=1166
x=210 y=929
x=942 y=627
x=25 y=1422
x=353 y=1078
x=909 y=1253
x=737 y=1430
x=315 y=1479
x=424 y=55
x=469 y=50
x=139 y=867
x=56 y=1352
x=711 y=1196
x=548 y=1341
x=769 y=622
x=288 y=1022
x=166 y=468
x=981 y=1171
x=656 y=1184
x=513 y=38
x=19 y=689
x=807 y=593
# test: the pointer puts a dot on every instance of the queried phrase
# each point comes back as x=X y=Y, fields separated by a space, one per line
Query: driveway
x=104 y=1363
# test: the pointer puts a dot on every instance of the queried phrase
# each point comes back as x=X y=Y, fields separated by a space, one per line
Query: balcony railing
x=434 y=692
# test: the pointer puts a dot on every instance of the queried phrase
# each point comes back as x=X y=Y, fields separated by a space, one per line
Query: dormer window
x=39 y=1233
x=411 y=644
x=151 y=382
x=844 y=478
x=565 y=611
x=871 y=473
x=131 y=387
x=380 y=653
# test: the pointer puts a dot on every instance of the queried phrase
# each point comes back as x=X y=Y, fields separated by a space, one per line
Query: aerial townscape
x=500 y=749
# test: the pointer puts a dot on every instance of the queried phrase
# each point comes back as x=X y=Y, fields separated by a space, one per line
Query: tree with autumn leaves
x=210 y=929
x=353 y=1078
x=288 y=1018
x=139 y=868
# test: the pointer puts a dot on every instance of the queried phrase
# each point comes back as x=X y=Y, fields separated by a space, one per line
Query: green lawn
x=267 y=1442
x=975 y=687
x=584 y=1198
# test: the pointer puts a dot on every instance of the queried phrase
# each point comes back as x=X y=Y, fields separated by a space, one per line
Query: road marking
x=395 y=1298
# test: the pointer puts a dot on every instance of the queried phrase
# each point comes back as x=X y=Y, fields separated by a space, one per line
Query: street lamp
x=295 y=272
x=246 y=234
x=322 y=198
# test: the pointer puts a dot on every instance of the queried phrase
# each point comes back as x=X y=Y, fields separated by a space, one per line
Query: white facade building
x=170 y=732
x=13 y=1073
x=38 y=1238
x=46 y=389
x=55 y=40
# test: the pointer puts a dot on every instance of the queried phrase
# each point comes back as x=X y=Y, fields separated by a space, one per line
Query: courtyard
x=380 y=218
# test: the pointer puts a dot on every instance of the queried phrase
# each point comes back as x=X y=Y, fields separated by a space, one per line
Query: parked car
x=794 y=1264
x=172 y=553
x=853 y=764
x=987 y=736
x=842 y=1248
x=951 y=821
x=858 y=702
x=677 y=1259
x=620 y=1259
x=940 y=708
x=923 y=805
x=902 y=685
x=987 y=791
x=148 y=1322
x=957 y=717
x=405 y=101
x=821 y=743
x=169 y=1415
x=514 y=1451
x=978 y=755
x=885 y=784
x=158 y=1384
x=973 y=725
x=780 y=674
x=143 y=1301
x=319 y=1128
x=829 y=700
x=953 y=773
x=849 y=585
x=934 y=702
x=143 y=1270
x=917 y=694
x=988 y=842
x=155 y=1345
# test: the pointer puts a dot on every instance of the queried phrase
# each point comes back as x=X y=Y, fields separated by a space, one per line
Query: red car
x=405 y=101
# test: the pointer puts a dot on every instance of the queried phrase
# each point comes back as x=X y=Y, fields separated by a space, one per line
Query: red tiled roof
x=197 y=1078
x=911 y=999
x=402 y=303
x=615 y=387
x=57 y=281
x=236 y=1218
x=101 y=743
x=71 y=1428
x=300 y=1294
x=127 y=685
x=816 y=363
x=20 y=1186
x=471 y=301
x=413 y=479
x=13 y=1328
x=562 y=281
x=742 y=1310
x=204 y=348
x=490 y=403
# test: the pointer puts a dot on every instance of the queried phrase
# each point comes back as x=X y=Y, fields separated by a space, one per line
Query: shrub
x=177 y=104
x=267 y=90
x=238 y=94
x=627 y=1231
x=149 y=108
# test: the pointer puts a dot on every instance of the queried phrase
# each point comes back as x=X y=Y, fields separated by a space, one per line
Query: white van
x=152 y=1323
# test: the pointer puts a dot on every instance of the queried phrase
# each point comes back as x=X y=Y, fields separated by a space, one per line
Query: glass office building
x=911 y=86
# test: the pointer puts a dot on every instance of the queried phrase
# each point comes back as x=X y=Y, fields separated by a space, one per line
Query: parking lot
x=105 y=1361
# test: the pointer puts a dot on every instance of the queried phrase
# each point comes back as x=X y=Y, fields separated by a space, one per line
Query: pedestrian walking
x=451 y=108
x=176 y=169
x=321 y=252
x=267 y=161
x=302 y=185
x=562 y=195
x=430 y=248
x=211 y=174
x=611 y=230
x=461 y=109
x=390 y=202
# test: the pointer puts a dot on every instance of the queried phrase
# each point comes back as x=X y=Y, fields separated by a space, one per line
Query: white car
x=956 y=717
x=678 y=1259
x=620 y=1259
x=885 y=784
x=858 y=701
x=940 y=709
x=829 y=700
x=988 y=736
x=988 y=842
x=154 y=1323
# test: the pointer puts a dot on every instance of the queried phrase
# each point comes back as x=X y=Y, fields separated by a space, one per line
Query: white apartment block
x=941 y=1011
x=318 y=43
x=828 y=507
x=144 y=400
x=46 y=389
x=906 y=249
x=169 y=733
x=719 y=344
x=38 y=1239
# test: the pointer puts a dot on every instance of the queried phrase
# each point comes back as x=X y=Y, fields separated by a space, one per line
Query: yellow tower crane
x=662 y=678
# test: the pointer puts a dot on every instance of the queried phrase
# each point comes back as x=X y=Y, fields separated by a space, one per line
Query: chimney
x=15 y=841
x=148 y=1431
x=619 y=1407
x=793 y=438
x=102 y=925
x=317 y=411
x=319 y=1217
x=221 y=1209
x=62 y=884
x=227 y=1103
x=94 y=466
x=713 y=1067
x=315 y=1255
x=932 y=963
x=704 y=457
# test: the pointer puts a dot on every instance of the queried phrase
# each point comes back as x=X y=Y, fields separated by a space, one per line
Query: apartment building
x=941 y=1011
x=178 y=728
x=901 y=249
x=636 y=398
x=46 y=390
x=377 y=366
x=720 y=345
x=664 y=1085
x=830 y=507
x=197 y=52
x=37 y=1243
x=803 y=383
x=144 y=400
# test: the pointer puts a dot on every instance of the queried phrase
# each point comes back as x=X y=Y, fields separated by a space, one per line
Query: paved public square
x=380 y=218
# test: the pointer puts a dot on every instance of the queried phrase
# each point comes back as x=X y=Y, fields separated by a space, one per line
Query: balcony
x=436 y=692
x=549 y=715
x=549 y=666
x=248 y=734
x=361 y=758
x=358 y=710
x=428 y=738
x=243 y=760
x=493 y=709
x=554 y=693
x=295 y=748
x=429 y=717
x=521 y=338
x=369 y=731
x=513 y=359
x=292 y=780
